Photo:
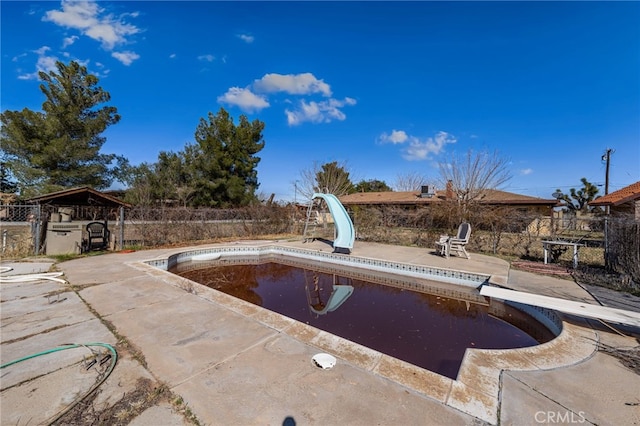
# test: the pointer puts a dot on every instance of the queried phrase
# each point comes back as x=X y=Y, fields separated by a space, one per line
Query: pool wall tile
x=273 y=252
x=546 y=317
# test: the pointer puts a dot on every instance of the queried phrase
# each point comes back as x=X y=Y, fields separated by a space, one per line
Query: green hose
x=114 y=357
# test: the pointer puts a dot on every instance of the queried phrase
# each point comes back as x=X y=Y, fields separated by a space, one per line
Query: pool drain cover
x=324 y=361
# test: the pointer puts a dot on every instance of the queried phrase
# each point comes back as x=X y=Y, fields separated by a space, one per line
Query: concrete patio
x=229 y=362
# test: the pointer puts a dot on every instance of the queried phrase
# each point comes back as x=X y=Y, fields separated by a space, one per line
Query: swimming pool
x=477 y=387
x=394 y=309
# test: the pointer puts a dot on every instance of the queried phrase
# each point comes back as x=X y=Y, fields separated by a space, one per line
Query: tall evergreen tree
x=331 y=178
x=7 y=185
x=222 y=162
x=372 y=185
x=60 y=146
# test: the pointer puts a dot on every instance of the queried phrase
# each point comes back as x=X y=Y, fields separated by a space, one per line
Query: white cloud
x=421 y=150
x=206 y=58
x=246 y=38
x=18 y=57
x=244 y=99
x=68 y=41
x=318 y=112
x=42 y=50
x=294 y=84
x=91 y=20
x=172 y=56
x=254 y=98
x=415 y=148
x=45 y=63
x=126 y=58
x=396 y=136
x=526 y=171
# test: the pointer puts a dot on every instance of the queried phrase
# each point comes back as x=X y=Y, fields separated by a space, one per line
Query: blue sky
x=386 y=88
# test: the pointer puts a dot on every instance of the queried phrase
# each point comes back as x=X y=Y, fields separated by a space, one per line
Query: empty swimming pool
x=430 y=328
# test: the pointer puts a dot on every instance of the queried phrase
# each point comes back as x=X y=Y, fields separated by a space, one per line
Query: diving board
x=582 y=309
x=345 y=233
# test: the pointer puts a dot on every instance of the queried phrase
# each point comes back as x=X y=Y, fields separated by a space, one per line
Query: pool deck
x=233 y=363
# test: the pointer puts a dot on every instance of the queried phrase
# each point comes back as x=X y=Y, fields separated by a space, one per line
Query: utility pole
x=606 y=157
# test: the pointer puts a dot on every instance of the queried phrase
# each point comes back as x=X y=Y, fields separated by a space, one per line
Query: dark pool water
x=426 y=330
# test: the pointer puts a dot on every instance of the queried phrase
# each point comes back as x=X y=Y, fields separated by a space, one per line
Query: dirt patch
x=146 y=394
x=599 y=276
x=630 y=358
x=584 y=275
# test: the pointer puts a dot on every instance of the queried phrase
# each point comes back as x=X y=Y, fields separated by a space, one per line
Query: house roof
x=491 y=196
x=81 y=196
x=387 y=197
x=621 y=196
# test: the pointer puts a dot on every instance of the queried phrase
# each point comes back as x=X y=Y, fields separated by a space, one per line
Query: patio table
x=546 y=245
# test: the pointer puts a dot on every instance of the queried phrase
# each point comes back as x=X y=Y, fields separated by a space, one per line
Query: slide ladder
x=315 y=223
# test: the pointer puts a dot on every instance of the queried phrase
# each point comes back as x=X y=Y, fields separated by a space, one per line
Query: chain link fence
x=496 y=230
x=623 y=246
x=613 y=241
x=22 y=231
x=152 y=227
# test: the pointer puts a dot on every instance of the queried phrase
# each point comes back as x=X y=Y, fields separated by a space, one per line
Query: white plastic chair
x=446 y=245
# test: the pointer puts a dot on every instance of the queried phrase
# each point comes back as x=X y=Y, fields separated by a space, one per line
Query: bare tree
x=470 y=175
x=332 y=178
x=411 y=181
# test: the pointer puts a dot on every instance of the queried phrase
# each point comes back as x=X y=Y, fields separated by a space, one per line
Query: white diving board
x=582 y=309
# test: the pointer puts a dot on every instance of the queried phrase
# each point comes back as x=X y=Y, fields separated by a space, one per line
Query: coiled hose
x=103 y=376
x=51 y=276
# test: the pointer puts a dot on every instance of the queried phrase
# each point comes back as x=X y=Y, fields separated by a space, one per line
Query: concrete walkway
x=227 y=362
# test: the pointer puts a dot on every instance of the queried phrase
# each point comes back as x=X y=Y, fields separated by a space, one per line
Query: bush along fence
x=498 y=231
x=150 y=227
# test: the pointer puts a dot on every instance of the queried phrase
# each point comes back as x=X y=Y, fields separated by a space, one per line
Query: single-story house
x=491 y=197
x=527 y=205
x=624 y=200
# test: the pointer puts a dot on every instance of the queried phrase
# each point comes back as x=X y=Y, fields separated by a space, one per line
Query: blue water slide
x=345 y=234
